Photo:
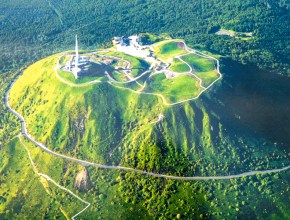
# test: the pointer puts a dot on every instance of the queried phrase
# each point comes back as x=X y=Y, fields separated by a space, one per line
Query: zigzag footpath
x=52 y=181
x=87 y=163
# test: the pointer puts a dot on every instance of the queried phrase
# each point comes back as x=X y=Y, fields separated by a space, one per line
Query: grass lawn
x=179 y=66
x=175 y=89
x=64 y=59
x=131 y=85
x=168 y=50
x=198 y=63
x=138 y=65
x=119 y=76
x=208 y=77
x=203 y=68
x=82 y=79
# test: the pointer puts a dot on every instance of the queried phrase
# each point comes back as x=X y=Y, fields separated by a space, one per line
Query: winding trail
x=111 y=80
x=191 y=70
x=130 y=77
x=113 y=83
x=122 y=168
x=87 y=163
x=48 y=178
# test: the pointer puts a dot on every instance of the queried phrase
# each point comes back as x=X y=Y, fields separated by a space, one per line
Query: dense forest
x=30 y=30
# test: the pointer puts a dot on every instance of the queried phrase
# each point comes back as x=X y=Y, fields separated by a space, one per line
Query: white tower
x=76 y=69
x=77 y=52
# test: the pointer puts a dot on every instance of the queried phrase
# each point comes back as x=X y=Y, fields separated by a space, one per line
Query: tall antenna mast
x=77 y=52
x=76 y=69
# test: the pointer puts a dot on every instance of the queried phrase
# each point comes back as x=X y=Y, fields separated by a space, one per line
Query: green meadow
x=202 y=67
x=175 y=89
x=137 y=65
x=179 y=67
x=169 y=49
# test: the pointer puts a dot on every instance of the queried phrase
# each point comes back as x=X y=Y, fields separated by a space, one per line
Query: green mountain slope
x=103 y=124
x=234 y=127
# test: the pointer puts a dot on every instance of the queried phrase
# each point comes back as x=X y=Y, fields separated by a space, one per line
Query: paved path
x=191 y=70
x=113 y=82
x=129 y=76
x=48 y=178
x=121 y=168
x=87 y=163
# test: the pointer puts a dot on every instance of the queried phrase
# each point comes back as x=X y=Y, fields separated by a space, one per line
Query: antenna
x=76 y=69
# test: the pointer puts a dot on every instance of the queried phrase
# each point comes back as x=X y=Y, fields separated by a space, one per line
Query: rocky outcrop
x=82 y=181
x=79 y=124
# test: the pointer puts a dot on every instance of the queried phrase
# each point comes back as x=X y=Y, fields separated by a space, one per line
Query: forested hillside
x=33 y=29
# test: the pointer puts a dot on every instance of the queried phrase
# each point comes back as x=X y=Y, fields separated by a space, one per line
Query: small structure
x=107 y=61
x=69 y=65
x=121 y=41
x=138 y=39
x=131 y=45
x=118 y=40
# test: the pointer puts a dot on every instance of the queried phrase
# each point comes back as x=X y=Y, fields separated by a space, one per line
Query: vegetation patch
x=178 y=66
x=208 y=77
x=175 y=89
x=238 y=35
x=148 y=38
x=202 y=67
x=198 y=63
x=167 y=50
x=82 y=79
x=137 y=65
x=21 y=188
x=119 y=76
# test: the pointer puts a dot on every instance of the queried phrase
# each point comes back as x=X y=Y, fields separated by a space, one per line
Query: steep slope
x=195 y=138
x=103 y=124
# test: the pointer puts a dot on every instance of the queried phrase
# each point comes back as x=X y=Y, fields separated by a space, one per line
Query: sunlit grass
x=179 y=66
x=202 y=67
x=167 y=50
x=175 y=89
